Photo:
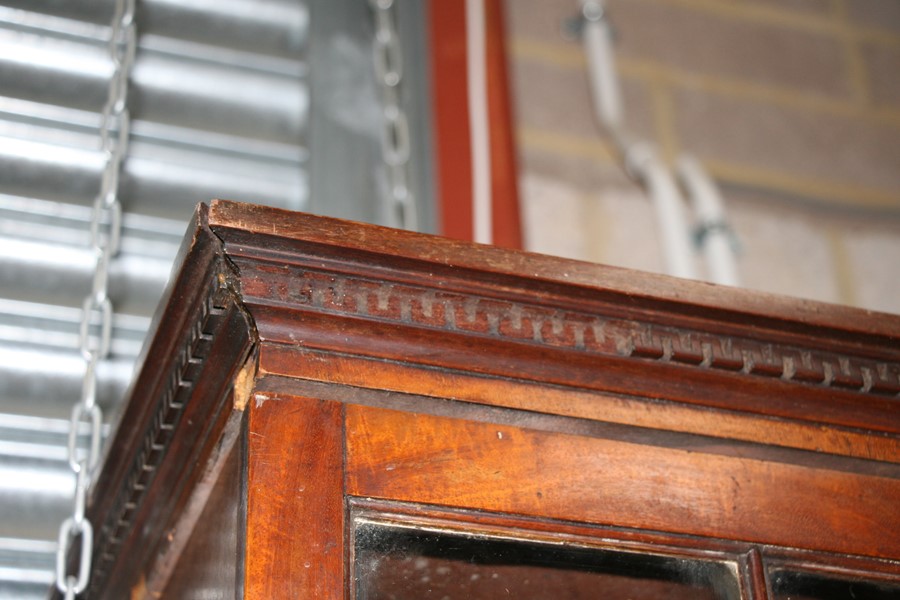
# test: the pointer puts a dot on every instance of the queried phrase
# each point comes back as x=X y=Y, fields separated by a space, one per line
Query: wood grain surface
x=452 y=462
x=295 y=507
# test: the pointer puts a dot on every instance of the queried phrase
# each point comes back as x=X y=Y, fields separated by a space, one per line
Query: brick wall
x=792 y=105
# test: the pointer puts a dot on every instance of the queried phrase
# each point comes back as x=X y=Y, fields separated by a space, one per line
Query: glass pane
x=791 y=585
x=398 y=563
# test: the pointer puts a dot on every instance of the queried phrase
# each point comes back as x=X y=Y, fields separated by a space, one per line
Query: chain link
x=95 y=331
x=387 y=57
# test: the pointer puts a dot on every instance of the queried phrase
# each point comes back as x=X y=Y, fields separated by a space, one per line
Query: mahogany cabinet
x=336 y=410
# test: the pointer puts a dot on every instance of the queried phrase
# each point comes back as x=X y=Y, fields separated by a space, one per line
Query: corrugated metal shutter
x=219 y=102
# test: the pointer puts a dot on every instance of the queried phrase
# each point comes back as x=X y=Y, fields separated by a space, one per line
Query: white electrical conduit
x=602 y=78
x=643 y=163
x=479 y=132
x=715 y=237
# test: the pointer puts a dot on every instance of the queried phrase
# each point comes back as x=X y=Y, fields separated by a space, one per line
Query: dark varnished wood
x=753 y=575
x=376 y=370
x=178 y=423
x=211 y=561
x=295 y=508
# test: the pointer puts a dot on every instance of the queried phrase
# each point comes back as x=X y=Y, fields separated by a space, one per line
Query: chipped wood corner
x=140 y=592
x=245 y=381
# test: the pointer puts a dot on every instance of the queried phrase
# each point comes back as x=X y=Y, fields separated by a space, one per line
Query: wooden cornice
x=318 y=283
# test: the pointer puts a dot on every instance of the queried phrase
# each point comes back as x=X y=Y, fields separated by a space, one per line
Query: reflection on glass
x=791 y=585
x=399 y=563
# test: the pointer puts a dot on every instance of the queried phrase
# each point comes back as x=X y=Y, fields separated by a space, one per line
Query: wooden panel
x=295 y=510
x=452 y=462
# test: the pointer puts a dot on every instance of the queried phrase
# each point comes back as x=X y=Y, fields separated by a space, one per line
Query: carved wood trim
x=477 y=315
x=157 y=438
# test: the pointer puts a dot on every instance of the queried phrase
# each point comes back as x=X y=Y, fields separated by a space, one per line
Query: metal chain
x=388 y=60
x=95 y=332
